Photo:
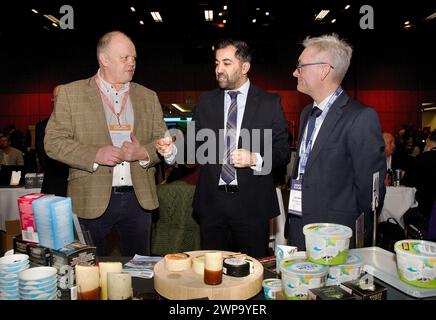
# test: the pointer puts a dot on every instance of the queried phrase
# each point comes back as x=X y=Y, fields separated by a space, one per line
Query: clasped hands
x=242 y=158
x=130 y=151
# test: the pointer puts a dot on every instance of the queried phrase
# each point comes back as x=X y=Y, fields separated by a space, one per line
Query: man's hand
x=109 y=156
x=133 y=150
x=243 y=158
x=164 y=146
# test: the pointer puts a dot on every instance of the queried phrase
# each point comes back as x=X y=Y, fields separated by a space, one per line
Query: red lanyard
x=110 y=104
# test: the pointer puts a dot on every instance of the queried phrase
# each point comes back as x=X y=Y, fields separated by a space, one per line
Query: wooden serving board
x=190 y=285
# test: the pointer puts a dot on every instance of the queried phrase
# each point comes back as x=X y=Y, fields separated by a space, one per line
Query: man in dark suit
x=55 y=172
x=235 y=195
x=422 y=175
x=343 y=149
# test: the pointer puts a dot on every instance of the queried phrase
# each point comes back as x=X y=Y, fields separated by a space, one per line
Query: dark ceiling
x=35 y=55
x=183 y=20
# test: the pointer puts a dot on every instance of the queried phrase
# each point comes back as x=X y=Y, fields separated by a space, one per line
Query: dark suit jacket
x=337 y=184
x=422 y=175
x=262 y=111
x=78 y=128
x=55 y=172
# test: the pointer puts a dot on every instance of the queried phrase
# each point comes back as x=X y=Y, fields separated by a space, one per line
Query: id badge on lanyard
x=295 y=203
x=295 y=197
x=119 y=134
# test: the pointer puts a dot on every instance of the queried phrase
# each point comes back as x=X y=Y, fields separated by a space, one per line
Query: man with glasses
x=340 y=146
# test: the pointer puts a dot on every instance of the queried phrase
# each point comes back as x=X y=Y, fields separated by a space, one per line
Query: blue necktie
x=315 y=113
x=228 y=171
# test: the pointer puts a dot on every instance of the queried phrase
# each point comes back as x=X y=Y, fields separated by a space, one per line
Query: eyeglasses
x=302 y=65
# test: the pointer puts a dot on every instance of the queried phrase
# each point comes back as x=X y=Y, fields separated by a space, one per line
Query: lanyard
x=110 y=104
x=305 y=156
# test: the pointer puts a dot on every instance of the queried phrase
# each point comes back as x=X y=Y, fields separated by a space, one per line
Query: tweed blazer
x=77 y=128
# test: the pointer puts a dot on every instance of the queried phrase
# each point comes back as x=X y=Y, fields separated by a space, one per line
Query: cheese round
x=198 y=265
x=177 y=261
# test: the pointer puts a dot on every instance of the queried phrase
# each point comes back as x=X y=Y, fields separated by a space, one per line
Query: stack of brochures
x=141 y=266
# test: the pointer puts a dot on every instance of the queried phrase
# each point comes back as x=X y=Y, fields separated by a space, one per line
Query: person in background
x=422 y=176
x=105 y=128
x=389 y=151
x=235 y=195
x=9 y=155
x=55 y=172
x=340 y=145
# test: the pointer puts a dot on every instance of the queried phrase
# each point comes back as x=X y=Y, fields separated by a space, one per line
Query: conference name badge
x=120 y=133
x=295 y=206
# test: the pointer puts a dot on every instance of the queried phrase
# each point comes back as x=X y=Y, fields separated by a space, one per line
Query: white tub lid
x=416 y=247
x=328 y=229
x=303 y=268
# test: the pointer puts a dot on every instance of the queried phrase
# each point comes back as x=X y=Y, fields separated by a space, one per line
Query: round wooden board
x=190 y=285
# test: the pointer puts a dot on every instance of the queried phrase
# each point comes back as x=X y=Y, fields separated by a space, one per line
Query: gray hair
x=337 y=49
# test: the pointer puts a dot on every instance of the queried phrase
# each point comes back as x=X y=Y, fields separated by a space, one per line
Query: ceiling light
x=429 y=109
x=267 y=13
x=208 y=15
x=52 y=19
x=406 y=23
x=156 y=16
x=54 y=25
x=132 y=9
x=321 y=15
x=347 y=7
x=432 y=16
x=224 y=7
x=333 y=21
x=220 y=14
x=175 y=105
x=34 y=11
x=141 y=22
x=254 y=21
x=257 y=9
x=224 y=21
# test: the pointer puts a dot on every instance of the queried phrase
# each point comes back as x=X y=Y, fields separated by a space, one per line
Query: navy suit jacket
x=262 y=111
x=337 y=183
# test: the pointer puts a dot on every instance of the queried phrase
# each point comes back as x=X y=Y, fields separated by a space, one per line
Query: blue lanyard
x=305 y=156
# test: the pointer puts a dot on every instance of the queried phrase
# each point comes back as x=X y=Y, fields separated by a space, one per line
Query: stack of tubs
x=10 y=268
x=326 y=263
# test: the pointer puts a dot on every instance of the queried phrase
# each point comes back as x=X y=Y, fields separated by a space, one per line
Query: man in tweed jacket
x=105 y=128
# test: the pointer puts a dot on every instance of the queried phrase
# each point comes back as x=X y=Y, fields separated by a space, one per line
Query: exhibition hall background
x=392 y=68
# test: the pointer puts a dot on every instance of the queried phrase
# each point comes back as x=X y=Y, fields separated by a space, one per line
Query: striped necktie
x=228 y=171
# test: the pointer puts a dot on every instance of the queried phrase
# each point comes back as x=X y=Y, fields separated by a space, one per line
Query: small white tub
x=416 y=262
x=299 y=276
x=327 y=243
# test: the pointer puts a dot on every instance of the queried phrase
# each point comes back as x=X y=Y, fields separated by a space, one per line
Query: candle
x=88 y=282
x=119 y=286
x=213 y=268
x=106 y=267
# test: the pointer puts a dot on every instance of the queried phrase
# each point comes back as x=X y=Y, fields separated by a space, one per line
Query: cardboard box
x=65 y=259
x=27 y=217
x=38 y=255
x=330 y=293
x=375 y=291
x=13 y=229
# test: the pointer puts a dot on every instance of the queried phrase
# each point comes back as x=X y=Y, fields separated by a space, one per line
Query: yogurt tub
x=270 y=288
x=345 y=272
x=327 y=243
x=416 y=262
x=299 y=276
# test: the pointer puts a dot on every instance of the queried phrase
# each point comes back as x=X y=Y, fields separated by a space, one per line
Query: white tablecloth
x=9 y=205
x=397 y=201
